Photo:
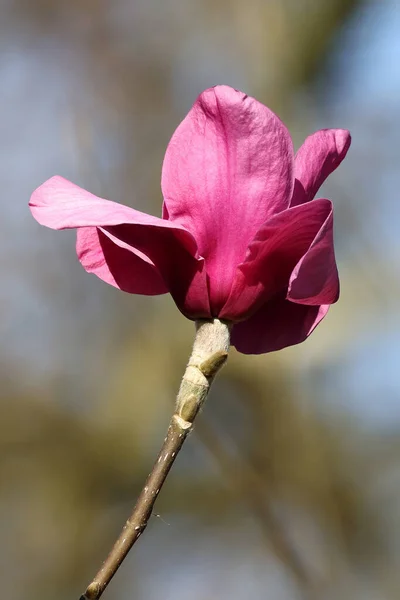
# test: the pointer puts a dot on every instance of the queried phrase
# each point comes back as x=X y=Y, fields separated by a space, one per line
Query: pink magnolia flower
x=241 y=237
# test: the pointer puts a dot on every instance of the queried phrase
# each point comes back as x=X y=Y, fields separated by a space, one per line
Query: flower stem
x=210 y=351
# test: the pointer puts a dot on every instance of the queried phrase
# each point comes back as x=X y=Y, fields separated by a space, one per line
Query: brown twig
x=210 y=352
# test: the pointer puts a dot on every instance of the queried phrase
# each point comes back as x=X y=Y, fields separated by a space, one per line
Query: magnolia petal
x=60 y=204
x=278 y=247
x=117 y=264
x=228 y=168
x=321 y=153
x=184 y=275
x=315 y=278
x=276 y=325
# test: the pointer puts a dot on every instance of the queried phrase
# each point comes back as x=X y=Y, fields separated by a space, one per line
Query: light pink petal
x=276 y=325
x=227 y=169
x=117 y=263
x=60 y=204
x=321 y=153
x=315 y=278
x=278 y=247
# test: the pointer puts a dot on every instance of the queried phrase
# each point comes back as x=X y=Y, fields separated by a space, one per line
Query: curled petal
x=278 y=247
x=315 y=278
x=117 y=263
x=60 y=204
x=227 y=169
x=321 y=153
x=184 y=275
x=276 y=325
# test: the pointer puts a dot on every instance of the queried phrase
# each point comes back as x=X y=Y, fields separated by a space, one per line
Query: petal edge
x=276 y=325
x=321 y=153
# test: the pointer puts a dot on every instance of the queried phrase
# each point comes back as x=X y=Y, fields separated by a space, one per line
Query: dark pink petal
x=117 y=263
x=276 y=325
x=321 y=153
x=280 y=244
x=184 y=275
x=227 y=169
x=60 y=204
x=315 y=278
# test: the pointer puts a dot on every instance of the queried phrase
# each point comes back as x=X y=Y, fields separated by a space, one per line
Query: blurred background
x=290 y=486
